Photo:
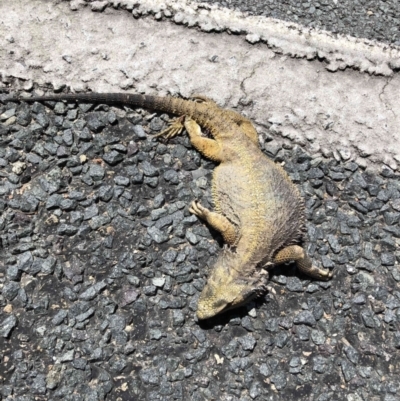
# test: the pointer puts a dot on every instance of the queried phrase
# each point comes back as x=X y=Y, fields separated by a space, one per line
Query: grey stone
x=178 y=318
x=348 y=370
x=265 y=370
x=188 y=289
x=67 y=204
x=247 y=323
x=13 y=273
x=192 y=238
x=248 y=342
x=164 y=222
x=256 y=389
x=38 y=385
x=113 y=157
x=156 y=124
x=54 y=201
x=10 y=290
x=59 y=317
x=318 y=337
x=97 y=172
x=91 y=292
x=98 y=221
x=294 y=284
x=7 y=325
x=319 y=364
x=120 y=180
x=150 y=290
x=139 y=132
x=388 y=259
x=67 y=229
x=157 y=235
x=279 y=380
x=90 y=212
x=360 y=299
x=149 y=170
x=129 y=295
x=334 y=243
x=79 y=363
x=281 y=339
x=86 y=315
x=171 y=176
x=149 y=376
x=106 y=192
x=305 y=317
x=367 y=318
x=156 y=334
x=158 y=281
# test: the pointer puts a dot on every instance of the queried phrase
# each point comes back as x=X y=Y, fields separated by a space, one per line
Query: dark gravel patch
x=101 y=265
x=371 y=19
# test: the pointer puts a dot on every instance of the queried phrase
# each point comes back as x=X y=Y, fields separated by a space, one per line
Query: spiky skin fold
x=258 y=210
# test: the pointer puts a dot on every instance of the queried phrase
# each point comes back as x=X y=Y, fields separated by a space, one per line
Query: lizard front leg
x=297 y=253
x=216 y=221
x=210 y=148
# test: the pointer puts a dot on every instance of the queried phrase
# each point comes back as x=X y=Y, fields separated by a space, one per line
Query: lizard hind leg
x=216 y=221
x=297 y=253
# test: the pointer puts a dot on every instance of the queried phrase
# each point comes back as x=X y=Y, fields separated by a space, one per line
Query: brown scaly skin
x=258 y=210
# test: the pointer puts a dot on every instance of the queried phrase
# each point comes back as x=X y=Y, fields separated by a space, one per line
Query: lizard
x=258 y=210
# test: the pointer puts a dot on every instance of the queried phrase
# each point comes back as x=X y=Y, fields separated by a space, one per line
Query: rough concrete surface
x=101 y=263
x=346 y=111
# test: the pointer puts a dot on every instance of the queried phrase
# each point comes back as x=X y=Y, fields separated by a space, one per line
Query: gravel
x=372 y=19
x=101 y=266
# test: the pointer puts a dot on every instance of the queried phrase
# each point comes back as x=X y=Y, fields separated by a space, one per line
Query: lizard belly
x=229 y=192
x=263 y=203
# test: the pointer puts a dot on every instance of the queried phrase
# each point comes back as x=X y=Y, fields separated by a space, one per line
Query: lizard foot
x=197 y=209
x=318 y=273
x=175 y=128
x=323 y=274
x=304 y=263
x=217 y=221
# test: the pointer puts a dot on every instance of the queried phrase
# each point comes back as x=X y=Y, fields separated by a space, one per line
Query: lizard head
x=226 y=288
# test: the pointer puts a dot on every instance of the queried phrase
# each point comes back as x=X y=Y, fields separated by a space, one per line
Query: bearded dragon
x=257 y=209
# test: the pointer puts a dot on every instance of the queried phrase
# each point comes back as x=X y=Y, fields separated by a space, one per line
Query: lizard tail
x=168 y=104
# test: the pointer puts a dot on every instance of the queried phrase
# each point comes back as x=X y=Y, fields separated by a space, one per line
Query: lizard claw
x=197 y=209
x=175 y=128
x=329 y=275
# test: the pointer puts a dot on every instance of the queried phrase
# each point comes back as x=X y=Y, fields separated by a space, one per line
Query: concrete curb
x=281 y=76
x=338 y=51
